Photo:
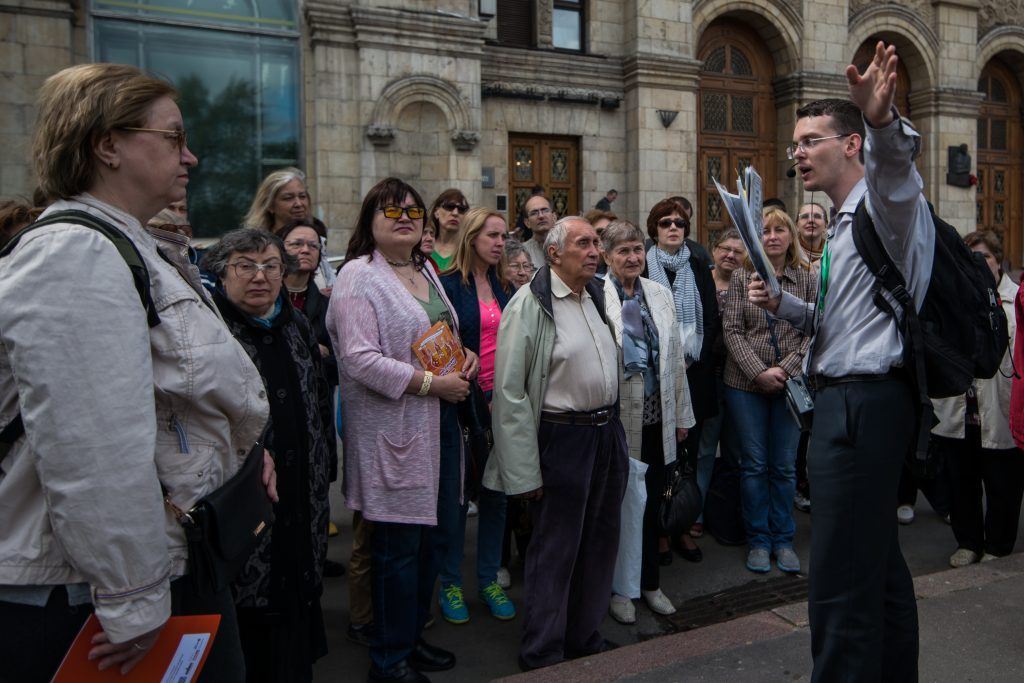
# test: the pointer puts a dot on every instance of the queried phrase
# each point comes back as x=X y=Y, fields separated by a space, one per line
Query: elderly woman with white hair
x=654 y=398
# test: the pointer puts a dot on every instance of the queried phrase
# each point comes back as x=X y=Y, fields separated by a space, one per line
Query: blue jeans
x=767 y=438
x=490 y=527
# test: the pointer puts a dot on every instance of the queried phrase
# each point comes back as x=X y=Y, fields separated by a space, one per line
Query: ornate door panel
x=1000 y=148
x=551 y=162
x=735 y=119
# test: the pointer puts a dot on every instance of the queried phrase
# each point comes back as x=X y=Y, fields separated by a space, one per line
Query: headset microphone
x=791 y=173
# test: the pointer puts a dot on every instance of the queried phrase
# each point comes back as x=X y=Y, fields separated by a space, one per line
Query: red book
x=177 y=657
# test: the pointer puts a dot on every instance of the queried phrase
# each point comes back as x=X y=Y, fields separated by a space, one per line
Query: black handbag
x=477 y=437
x=224 y=527
x=681 y=503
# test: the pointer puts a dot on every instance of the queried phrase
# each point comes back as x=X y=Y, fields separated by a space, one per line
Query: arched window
x=999 y=158
x=236 y=66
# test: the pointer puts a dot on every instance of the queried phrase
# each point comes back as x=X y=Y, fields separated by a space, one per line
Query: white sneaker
x=988 y=557
x=504 y=578
x=962 y=557
x=473 y=510
x=658 y=602
x=622 y=610
x=905 y=514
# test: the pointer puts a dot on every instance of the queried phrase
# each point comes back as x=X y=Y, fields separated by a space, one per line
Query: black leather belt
x=594 y=418
x=819 y=382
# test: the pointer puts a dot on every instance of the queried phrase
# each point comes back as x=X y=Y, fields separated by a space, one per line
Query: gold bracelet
x=428 y=377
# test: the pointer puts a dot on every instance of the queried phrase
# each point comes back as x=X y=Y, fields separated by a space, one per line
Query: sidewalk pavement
x=971 y=630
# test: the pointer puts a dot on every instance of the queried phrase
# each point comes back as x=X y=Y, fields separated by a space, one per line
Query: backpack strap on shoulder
x=888 y=278
x=125 y=247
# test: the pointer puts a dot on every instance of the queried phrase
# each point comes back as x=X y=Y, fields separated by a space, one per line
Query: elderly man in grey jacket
x=559 y=442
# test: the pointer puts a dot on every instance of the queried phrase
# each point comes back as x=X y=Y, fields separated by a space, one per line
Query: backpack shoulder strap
x=125 y=247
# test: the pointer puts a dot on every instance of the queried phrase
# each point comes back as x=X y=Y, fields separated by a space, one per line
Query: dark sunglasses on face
x=666 y=223
x=395 y=212
x=451 y=207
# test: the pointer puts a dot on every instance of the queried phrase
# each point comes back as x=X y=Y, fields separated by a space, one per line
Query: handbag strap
x=774 y=339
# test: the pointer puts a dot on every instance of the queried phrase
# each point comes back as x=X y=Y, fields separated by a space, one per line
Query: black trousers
x=568 y=577
x=652 y=454
x=970 y=466
x=33 y=640
x=861 y=603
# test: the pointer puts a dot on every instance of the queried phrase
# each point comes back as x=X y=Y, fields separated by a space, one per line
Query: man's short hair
x=556 y=235
x=774 y=202
x=846 y=117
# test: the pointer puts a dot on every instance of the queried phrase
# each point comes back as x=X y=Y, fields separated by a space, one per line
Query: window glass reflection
x=566 y=30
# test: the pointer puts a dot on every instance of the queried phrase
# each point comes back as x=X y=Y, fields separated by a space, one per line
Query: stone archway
x=408 y=90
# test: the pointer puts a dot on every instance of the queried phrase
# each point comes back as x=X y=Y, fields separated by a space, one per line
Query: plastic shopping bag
x=626 y=581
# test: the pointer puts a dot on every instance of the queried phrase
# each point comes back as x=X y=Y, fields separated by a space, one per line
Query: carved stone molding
x=663 y=73
x=465 y=140
x=921 y=10
x=329 y=23
x=608 y=99
x=544 y=23
x=60 y=9
x=380 y=135
x=945 y=102
x=995 y=13
x=805 y=86
x=550 y=68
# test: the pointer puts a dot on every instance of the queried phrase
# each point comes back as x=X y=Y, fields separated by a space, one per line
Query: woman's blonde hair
x=465 y=254
x=261 y=214
x=77 y=106
x=794 y=254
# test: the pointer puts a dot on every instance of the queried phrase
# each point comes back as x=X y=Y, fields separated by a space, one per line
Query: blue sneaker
x=787 y=560
x=501 y=607
x=453 y=606
x=759 y=561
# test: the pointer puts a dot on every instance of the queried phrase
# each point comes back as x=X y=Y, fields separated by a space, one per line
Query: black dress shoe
x=359 y=634
x=605 y=646
x=333 y=569
x=399 y=673
x=694 y=555
x=426 y=657
x=665 y=558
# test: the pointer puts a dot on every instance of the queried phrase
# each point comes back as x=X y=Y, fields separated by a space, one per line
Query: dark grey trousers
x=862 y=608
x=568 y=578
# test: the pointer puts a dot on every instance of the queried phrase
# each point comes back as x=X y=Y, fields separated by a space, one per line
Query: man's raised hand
x=874 y=90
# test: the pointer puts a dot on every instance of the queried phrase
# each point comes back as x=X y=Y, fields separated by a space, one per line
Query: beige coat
x=676 y=411
x=993 y=394
x=112 y=409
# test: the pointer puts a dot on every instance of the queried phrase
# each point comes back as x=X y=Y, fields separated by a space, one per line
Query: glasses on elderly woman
x=521 y=267
x=177 y=135
x=246 y=270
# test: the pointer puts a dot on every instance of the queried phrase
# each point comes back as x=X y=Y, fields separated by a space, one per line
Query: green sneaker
x=453 y=606
x=501 y=607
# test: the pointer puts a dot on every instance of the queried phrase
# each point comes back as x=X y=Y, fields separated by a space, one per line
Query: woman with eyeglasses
x=673 y=264
x=478 y=289
x=402 y=433
x=445 y=217
x=278 y=592
x=764 y=352
x=133 y=397
x=519 y=269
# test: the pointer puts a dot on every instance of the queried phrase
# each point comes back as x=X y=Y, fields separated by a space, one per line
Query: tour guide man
x=558 y=441
x=862 y=609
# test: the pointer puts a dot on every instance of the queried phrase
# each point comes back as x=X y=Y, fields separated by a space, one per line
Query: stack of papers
x=744 y=208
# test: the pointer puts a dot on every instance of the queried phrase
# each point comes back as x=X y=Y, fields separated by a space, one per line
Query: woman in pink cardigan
x=402 y=439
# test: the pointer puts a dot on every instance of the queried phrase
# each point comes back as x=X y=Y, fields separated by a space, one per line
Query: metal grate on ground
x=750 y=598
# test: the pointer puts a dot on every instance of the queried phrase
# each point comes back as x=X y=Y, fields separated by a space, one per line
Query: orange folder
x=178 y=655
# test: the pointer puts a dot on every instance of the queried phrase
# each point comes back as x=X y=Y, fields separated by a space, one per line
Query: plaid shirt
x=745 y=329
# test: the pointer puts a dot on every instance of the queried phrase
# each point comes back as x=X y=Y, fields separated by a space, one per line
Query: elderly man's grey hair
x=245 y=241
x=556 y=235
x=620 y=231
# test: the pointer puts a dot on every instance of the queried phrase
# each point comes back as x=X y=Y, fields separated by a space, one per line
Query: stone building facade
x=650 y=97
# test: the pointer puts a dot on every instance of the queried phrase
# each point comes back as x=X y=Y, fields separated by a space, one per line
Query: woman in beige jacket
x=654 y=399
x=974 y=437
x=123 y=404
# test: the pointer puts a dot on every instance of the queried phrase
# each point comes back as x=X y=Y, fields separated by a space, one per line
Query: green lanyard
x=826 y=262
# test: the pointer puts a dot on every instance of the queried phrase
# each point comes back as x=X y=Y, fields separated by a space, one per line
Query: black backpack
x=140 y=274
x=960 y=332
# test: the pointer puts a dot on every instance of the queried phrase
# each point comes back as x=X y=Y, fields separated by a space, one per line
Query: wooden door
x=549 y=161
x=1000 y=149
x=735 y=118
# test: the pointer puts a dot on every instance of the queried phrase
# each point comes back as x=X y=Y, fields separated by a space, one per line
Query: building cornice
x=548 y=74
x=945 y=102
x=806 y=86
x=663 y=73
x=59 y=9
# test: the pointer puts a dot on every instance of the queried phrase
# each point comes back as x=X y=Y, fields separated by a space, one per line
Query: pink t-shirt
x=490 y=317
